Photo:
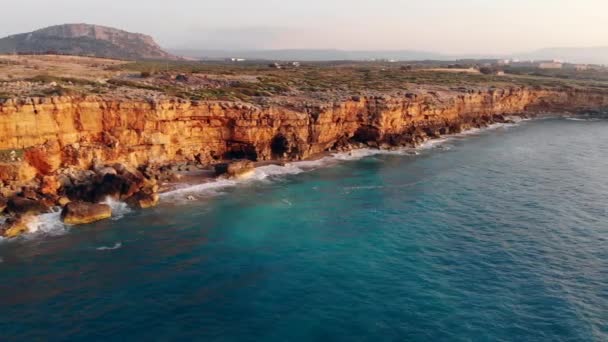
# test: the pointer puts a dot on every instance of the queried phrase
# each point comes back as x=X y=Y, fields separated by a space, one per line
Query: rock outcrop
x=16 y=226
x=143 y=200
x=75 y=213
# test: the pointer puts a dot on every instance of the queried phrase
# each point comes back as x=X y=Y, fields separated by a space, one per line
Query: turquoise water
x=501 y=235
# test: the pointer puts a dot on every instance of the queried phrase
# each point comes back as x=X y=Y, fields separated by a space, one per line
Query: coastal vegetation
x=259 y=82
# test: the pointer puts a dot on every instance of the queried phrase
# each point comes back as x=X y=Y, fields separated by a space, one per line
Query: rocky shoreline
x=79 y=167
x=81 y=193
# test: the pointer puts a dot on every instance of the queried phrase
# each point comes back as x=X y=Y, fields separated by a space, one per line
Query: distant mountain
x=84 y=39
x=310 y=54
x=586 y=55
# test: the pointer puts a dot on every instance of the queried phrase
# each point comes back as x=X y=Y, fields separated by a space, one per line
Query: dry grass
x=19 y=67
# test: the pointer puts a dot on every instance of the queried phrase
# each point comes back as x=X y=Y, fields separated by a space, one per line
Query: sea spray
x=119 y=209
x=47 y=224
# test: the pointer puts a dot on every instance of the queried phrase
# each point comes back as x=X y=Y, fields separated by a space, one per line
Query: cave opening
x=241 y=151
x=279 y=146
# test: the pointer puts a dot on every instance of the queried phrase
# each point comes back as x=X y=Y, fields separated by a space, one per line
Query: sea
x=498 y=234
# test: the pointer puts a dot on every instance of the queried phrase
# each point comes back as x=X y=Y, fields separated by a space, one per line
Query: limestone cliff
x=46 y=134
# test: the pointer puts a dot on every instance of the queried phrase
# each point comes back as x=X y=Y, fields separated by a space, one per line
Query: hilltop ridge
x=85 y=40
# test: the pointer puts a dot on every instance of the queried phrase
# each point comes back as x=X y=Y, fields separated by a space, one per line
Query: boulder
x=16 y=226
x=143 y=200
x=234 y=169
x=83 y=213
x=23 y=205
x=111 y=182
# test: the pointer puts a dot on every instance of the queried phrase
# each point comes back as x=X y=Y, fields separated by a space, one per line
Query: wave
x=105 y=248
x=50 y=224
x=47 y=224
x=119 y=209
x=271 y=172
x=208 y=188
x=570 y=118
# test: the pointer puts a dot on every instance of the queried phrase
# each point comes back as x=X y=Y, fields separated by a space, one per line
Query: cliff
x=60 y=132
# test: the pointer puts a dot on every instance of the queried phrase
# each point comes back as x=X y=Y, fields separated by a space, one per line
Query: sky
x=444 y=26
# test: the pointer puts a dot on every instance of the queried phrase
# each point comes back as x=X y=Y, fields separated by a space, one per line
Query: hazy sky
x=448 y=26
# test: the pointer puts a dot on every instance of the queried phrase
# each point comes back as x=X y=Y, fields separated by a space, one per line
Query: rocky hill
x=85 y=40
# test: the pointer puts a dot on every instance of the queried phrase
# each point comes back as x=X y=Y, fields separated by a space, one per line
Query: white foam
x=582 y=119
x=208 y=188
x=47 y=224
x=265 y=172
x=119 y=209
x=269 y=172
x=104 y=248
x=432 y=143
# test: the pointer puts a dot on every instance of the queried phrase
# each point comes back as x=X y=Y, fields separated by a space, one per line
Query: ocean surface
x=498 y=235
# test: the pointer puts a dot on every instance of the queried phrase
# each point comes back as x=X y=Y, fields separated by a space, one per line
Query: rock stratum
x=85 y=40
x=60 y=149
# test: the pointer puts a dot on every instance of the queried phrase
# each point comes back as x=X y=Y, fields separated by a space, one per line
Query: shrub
x=486 y=70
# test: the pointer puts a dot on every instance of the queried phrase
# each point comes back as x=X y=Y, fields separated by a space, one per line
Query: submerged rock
x=83 y=213
x=234 y=168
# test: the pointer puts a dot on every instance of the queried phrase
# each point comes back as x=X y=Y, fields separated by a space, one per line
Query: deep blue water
x=501 y=235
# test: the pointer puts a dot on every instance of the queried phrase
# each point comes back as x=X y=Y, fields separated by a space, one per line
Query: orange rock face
x=61 y=132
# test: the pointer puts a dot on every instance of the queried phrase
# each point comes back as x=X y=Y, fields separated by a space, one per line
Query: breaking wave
x=119 y=209
x=47 y=224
